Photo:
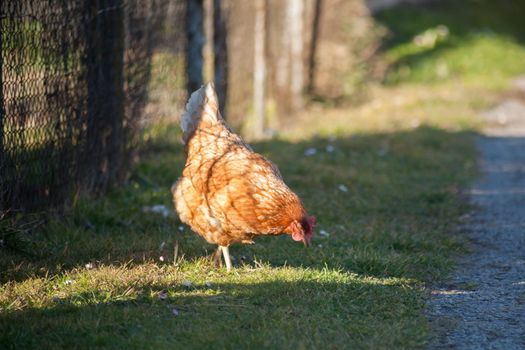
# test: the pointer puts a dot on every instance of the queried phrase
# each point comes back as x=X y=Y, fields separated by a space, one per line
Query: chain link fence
x=74 y=82
x=80 y=78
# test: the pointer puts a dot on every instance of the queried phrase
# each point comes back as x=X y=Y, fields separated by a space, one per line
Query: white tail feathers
x=202 y=104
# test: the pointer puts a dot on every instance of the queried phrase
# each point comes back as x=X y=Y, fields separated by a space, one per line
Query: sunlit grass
x=256 y=307
x=110 y=272
x=482 y=46
x=481 y=58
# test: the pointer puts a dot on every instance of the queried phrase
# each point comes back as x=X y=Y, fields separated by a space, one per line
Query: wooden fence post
x=2 y=115
x=313 y=46
x=220 y=55
x=295 y=18
x=105 y=75
x=259 y=69
x=195 y=43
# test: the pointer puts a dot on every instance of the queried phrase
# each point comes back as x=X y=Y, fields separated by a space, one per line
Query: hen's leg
x=216 y=257
x=227 y=260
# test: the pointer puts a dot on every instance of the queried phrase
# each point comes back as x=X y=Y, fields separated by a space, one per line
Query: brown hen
x=228 y=193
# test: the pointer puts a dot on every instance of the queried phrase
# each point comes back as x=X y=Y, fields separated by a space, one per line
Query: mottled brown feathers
x=228 y=193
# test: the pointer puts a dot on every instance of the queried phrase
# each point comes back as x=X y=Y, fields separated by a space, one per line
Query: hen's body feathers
x=228 y=193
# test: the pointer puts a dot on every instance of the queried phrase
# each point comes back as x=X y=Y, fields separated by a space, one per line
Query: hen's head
x=303 y=230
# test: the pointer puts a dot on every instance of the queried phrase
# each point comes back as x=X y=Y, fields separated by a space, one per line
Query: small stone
x=310 y=152
x=158 y=209
x=323 y=233
x=163 y=295
x=187 y=283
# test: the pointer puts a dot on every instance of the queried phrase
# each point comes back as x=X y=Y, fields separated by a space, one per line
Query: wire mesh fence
x=74 y=78
x=79 y=78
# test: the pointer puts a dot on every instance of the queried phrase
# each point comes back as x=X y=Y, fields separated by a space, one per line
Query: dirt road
x=483 y=306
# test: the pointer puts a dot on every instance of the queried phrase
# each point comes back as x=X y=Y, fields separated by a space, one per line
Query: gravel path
x=483 y=306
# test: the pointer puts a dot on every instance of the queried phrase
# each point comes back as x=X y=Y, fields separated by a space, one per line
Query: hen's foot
x=215 y=258
x=227 y=260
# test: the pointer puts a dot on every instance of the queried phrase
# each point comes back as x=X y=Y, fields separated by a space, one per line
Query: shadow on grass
x=394 y=219
x=276 y=314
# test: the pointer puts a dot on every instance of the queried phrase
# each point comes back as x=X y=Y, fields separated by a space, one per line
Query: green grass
x=484 y=45
x=93 y=278
x=362 y=286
